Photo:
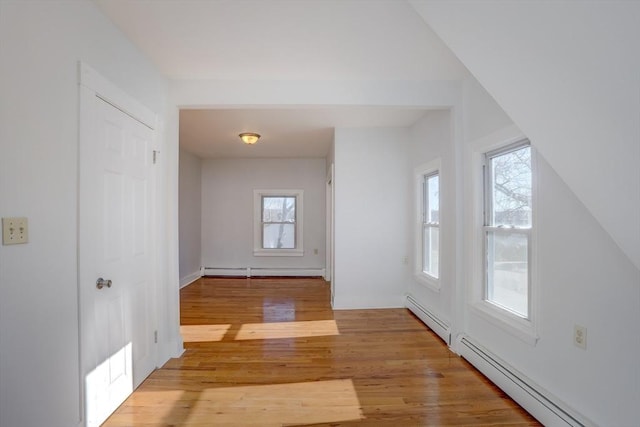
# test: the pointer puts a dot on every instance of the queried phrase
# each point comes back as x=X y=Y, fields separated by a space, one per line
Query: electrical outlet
x=405 y=260
x=580 y=336
x=14 y=231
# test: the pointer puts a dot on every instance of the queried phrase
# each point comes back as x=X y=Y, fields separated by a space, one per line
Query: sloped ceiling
x=284 y=40
x=568 y=74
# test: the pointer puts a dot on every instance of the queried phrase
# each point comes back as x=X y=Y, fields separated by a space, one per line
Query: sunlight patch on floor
x=279 y=404
x=257 y=405
x=203 y=333
x=311 y=328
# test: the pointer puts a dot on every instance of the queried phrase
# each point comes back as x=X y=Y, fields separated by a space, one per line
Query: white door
x=115 y=244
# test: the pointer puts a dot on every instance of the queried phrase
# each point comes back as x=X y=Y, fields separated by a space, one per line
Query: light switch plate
x=15 y=231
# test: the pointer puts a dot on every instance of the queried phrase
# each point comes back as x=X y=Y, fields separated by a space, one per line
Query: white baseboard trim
x=541 y=404
x=430 y=319
x=170 y=350
x=252 y=272
x=190 y=278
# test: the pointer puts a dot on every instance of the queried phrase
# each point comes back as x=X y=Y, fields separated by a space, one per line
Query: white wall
x=227 y=209
x=582 y=277
x=430 y=139
x=482 y=115
x=190 y=213
x=570 y=88
x=371 y=209
x=331 y=154
x=567 y=74
x=434 y=137
x=40 y=45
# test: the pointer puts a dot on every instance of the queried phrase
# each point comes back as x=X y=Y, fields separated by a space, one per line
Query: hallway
x=271 y=352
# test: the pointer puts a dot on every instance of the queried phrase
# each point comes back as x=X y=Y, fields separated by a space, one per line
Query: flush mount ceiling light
x=249 y=137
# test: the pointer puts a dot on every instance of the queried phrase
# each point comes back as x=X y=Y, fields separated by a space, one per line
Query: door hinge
x=155 y=156
x=155 y=337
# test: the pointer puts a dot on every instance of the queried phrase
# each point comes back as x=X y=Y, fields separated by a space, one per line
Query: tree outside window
x=508 y=225
x=277 y=223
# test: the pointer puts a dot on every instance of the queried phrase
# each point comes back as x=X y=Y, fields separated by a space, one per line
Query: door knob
x=101 y=283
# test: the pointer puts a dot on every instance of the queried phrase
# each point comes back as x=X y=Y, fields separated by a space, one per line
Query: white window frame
x=258 y=249
x=490 y=228
x=523 y=328
x=420 y=174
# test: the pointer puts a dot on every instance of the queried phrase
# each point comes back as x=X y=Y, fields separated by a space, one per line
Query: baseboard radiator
x=430 y=319
x=260 y=272
x=545 y=407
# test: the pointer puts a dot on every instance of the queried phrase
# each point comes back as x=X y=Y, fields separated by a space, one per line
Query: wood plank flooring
x=271 y=352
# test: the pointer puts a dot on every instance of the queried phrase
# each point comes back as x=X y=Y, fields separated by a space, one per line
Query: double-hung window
x=427 y=261
x=278 y=223
x=508 y=224
x=431 y=224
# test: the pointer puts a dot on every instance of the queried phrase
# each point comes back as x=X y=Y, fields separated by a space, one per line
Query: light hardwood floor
x=271 y=352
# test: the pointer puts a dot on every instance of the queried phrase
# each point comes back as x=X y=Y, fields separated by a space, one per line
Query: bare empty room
x=463 y=174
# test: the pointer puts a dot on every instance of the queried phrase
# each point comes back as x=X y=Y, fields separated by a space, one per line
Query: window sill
x=278 y=252
x=427 y=281
x=518 y=327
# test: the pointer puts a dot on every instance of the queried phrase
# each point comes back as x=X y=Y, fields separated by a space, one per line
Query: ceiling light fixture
x=249 y=137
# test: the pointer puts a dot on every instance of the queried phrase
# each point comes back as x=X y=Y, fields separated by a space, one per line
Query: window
x=278 y=223
x=431 y=224
x=427 y=264
x=508 y=223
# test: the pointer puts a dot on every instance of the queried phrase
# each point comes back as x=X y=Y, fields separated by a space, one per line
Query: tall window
x=277 y=223
x=427 y=225
x=507 y=227
x=431 y=224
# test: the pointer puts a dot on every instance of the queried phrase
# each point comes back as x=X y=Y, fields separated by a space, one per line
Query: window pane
x=511 y=192
x=433 y=194
x=430 y=250
x=278 y=209
x=278 y=236
x=508 y=271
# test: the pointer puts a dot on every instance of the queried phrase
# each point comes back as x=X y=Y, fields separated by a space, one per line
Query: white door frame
x=329 y=246
x=91 y=85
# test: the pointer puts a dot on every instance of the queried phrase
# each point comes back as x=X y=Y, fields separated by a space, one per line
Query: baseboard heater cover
x=436 y=324
x=253 y=272
x=545 y=407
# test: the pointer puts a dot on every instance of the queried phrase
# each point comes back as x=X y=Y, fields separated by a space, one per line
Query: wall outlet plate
x=15 y=231
x=580 y=336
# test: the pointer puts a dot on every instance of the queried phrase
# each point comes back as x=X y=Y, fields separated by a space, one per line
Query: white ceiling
x=271 y=40
x=291 y=132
